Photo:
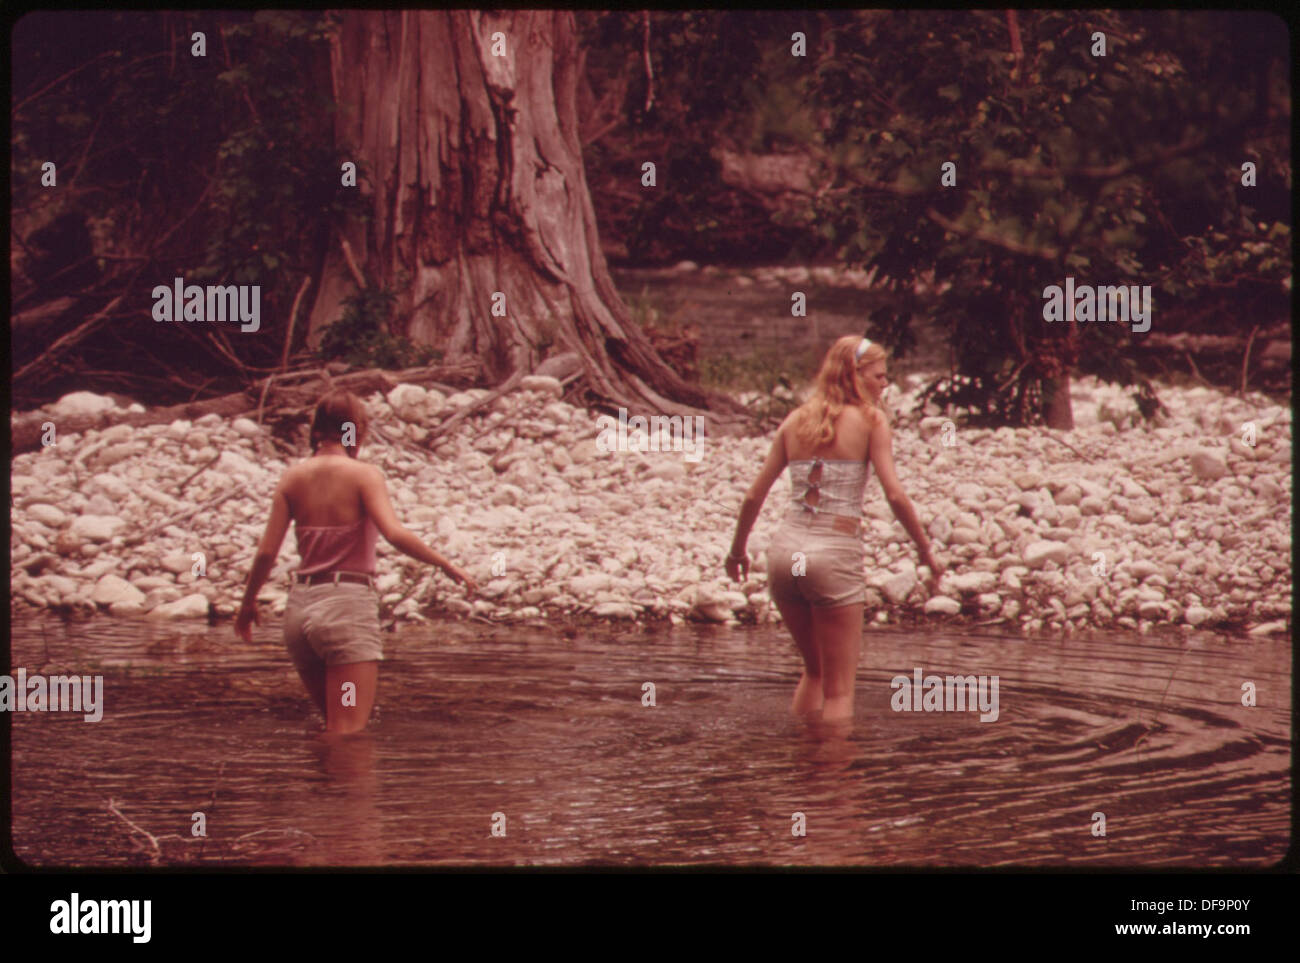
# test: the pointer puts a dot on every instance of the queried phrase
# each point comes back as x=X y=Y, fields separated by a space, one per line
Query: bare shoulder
x=857 y=422
x=307 y=471
x=292 y=476
x=787 y=426
x=365 y=472
x=860 y=415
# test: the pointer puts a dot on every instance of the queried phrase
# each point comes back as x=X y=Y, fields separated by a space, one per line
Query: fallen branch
x=469 y=409
x=1067 y=445
x=210 y=503
x=42 y=314
x=293 y=401
x=524 y=409
x=495 y=461
x=215 y=458
x=293 y=316
x=1196 y=371
x=261 y=403
x=68 y=340
x=1245 y=358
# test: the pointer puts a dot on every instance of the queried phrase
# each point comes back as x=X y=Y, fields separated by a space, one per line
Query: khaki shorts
x=831 y=547
x=333 y=624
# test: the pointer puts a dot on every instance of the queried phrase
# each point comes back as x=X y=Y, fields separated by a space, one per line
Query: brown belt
x=849 y=526
x=839 y=523
x=335 y=577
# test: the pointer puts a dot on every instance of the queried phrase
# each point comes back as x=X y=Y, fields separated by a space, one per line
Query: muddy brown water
x=550 y=732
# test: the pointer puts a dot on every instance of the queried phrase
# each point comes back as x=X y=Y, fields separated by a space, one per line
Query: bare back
x=326 y=491
x=851 y=442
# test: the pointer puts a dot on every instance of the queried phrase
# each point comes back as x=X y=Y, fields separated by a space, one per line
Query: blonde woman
x=828 y=444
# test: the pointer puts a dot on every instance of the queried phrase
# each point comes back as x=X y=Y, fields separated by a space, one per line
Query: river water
x=547 y=728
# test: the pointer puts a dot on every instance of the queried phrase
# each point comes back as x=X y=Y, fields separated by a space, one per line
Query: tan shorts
x=827 y=550
x=332 y=624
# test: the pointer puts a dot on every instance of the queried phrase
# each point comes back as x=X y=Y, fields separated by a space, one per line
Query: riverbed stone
x=48 y=515
x=1270 y=628
x=897 y=587
x=1208 y=465
x=110 y=455
x=96 y=528
x=79 y=404
x=1143 y=569
x=1178 y=543
x=584 y=585
x=194 y=606
x=111 y=485
x=114 y=588
x=100 y=505
x=177 y=562
x=972 y=582
x=942 y=605
x=543 y=384
x=1038 y=554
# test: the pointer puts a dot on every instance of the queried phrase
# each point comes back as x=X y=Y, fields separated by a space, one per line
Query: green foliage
x=770 y=372
x=204 y=167
x=1108 y=169
x=279 y=169
x=361 y=337
x=721 y=79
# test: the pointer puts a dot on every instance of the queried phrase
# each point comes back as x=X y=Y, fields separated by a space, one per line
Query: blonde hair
x=335 y=410
x=838 y=385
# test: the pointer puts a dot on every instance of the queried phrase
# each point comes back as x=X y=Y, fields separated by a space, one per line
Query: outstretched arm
x=374 y=495
x=882 y=460
x=737 y=560
x=264 y=561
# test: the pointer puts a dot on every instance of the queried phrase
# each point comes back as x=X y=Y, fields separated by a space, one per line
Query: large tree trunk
x=1058 y=407
x=477 y=186
x=1058 y=412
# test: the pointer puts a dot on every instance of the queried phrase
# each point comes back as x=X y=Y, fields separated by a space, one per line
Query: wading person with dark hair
x=814 y=562
x=340 y=505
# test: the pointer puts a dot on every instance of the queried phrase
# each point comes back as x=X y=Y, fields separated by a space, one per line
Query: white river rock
x=1194 y=531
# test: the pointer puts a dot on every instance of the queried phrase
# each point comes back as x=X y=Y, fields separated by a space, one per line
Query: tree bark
x=1058 y=408
x=1058 y=412
x=476 y=188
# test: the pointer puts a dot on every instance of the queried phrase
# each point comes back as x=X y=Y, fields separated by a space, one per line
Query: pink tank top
x=342 y=548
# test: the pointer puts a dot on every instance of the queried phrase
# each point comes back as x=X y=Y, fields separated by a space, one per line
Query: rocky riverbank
x=1116 y=524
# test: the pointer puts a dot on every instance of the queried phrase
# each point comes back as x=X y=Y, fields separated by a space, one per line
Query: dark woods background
x=1123 y=169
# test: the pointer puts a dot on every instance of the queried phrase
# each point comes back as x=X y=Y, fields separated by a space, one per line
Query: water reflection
x=551 y=733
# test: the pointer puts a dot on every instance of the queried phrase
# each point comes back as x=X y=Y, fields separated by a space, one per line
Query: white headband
x=861 y=349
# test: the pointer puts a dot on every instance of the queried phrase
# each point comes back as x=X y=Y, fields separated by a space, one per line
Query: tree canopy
x=1117 y=164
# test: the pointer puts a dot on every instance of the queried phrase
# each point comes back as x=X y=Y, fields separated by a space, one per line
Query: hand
x=246 y=618
x=738 y=567
x=936 y=572
x=462 y=578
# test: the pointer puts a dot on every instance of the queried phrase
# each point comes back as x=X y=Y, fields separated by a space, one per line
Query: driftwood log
x=279 y=398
